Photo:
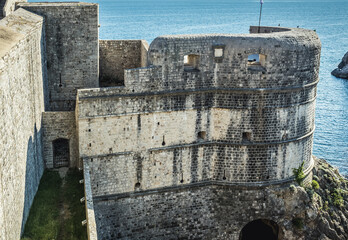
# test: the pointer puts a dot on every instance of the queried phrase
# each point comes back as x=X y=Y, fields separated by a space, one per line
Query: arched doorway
x=61 y=154
x=260 y=229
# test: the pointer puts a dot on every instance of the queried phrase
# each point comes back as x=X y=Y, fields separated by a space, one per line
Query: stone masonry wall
x=206 y=123
x=21 y=105
x=158 y=149
x=223 y=119
x=117 y=55
x=60 y=125
x=72 y=49
x=7 y=7
x=196 y=212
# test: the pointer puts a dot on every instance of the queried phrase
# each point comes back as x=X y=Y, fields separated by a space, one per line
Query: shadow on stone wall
x=33 y=172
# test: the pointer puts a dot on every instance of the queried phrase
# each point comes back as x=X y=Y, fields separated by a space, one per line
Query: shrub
x=299 y=174
x=298 y=223
x=315 y=184
x=337 y=198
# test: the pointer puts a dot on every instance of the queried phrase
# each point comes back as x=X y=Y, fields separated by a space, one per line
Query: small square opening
x=218 y=52
x=191 y=62
x=202 y=135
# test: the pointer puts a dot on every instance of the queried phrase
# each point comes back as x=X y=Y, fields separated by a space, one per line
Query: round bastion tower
x=256 y=103
x=201 y=143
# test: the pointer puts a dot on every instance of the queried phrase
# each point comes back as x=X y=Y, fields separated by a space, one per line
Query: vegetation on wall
x=299 y=174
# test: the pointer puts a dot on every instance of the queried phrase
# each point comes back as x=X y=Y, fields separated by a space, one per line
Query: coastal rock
x=342 y=70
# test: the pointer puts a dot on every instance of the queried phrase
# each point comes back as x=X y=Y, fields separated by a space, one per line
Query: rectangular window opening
x=256 y=60
x=191 y=63
x=246 y=136
x=218 y=52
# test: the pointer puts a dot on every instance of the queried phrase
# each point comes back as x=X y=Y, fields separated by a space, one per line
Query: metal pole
x=260 y=19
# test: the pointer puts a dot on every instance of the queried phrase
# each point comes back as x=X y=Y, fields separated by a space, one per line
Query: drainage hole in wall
x=137 y=185
x=201 y=135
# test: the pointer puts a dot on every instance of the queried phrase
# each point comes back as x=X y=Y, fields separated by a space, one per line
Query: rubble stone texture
x=342 y=70
x=199 y=139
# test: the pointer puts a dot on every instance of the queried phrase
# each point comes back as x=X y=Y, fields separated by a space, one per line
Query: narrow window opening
x=224 y=178
x=182 y=178
x=89 y=130
x=60 y=80
x=163 y=143
x=90 y=145
x=246 y=136
x=201 y=135
x=191 y=63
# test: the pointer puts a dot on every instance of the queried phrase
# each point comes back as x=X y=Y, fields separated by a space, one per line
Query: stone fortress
x=181 y=139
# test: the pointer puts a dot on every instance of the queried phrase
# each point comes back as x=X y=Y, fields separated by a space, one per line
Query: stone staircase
x=2 y=4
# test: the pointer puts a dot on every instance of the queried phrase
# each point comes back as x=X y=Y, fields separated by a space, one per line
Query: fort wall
x=22 y=90
x=72 y=49
x=200 y=211
x=7 y=7
x=201 y=123
x=117 y=55
x=248 y=124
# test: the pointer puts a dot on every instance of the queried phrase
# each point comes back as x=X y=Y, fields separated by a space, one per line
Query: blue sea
x=147 y=19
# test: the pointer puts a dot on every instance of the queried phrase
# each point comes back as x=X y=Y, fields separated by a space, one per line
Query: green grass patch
x=56 y=212
x=43 y=220
x=72 y=228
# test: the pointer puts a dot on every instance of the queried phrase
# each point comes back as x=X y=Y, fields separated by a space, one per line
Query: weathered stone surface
x=71 y=36
x=229 y=121
x=221 y=211
x=342 y=70
x=186 y=149
x=22 y=90
x=7 y=7
x=117 y=55
x=198 y=151
x=59 y=125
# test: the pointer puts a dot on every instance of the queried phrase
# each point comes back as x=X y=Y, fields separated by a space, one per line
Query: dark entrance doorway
x=61 y=153
x=260 y=229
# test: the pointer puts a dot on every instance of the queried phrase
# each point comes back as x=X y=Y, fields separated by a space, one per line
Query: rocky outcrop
x=322 y=212
x=342 y=70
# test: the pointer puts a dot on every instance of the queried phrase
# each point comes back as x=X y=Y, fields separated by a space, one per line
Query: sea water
x=147 y=19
